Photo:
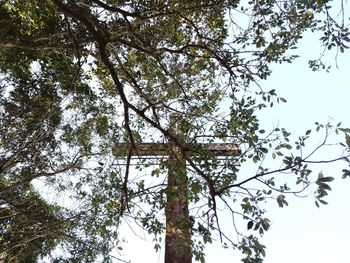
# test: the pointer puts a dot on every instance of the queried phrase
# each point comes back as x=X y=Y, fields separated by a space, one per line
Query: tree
x=82 y=78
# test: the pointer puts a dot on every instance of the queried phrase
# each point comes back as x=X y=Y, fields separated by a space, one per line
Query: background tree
x=79 y=79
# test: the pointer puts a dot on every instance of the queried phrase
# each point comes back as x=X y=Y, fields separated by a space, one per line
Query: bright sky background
x=303 y=233
x=300 y=232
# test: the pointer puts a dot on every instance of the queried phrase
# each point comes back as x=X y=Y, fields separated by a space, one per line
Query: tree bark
x=178 y=239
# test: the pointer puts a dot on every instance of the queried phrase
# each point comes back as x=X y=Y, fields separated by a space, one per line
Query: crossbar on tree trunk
x=177 y=233
x=162 y=149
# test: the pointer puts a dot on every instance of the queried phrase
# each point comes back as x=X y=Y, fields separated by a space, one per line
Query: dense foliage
x=81 y=78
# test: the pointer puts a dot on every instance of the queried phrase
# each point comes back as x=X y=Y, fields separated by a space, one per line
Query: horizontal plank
x=161 y=149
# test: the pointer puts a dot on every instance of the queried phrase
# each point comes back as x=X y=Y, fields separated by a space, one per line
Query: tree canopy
x=84 y=82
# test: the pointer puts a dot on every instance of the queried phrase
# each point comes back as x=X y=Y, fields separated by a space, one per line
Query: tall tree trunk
x=178 y=239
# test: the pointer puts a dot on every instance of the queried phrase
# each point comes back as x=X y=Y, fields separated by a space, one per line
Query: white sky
x=303 y=233
x=300 y=232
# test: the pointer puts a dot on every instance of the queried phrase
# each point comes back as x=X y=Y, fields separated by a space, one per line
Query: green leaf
x=323 y=202
x=283 y=99
x=156 y=172
x=281 y=200
x=346 y=173
x=250 y=225
x=347 y=139
x=346 y=130
x=324 y=186
x=325 y=179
